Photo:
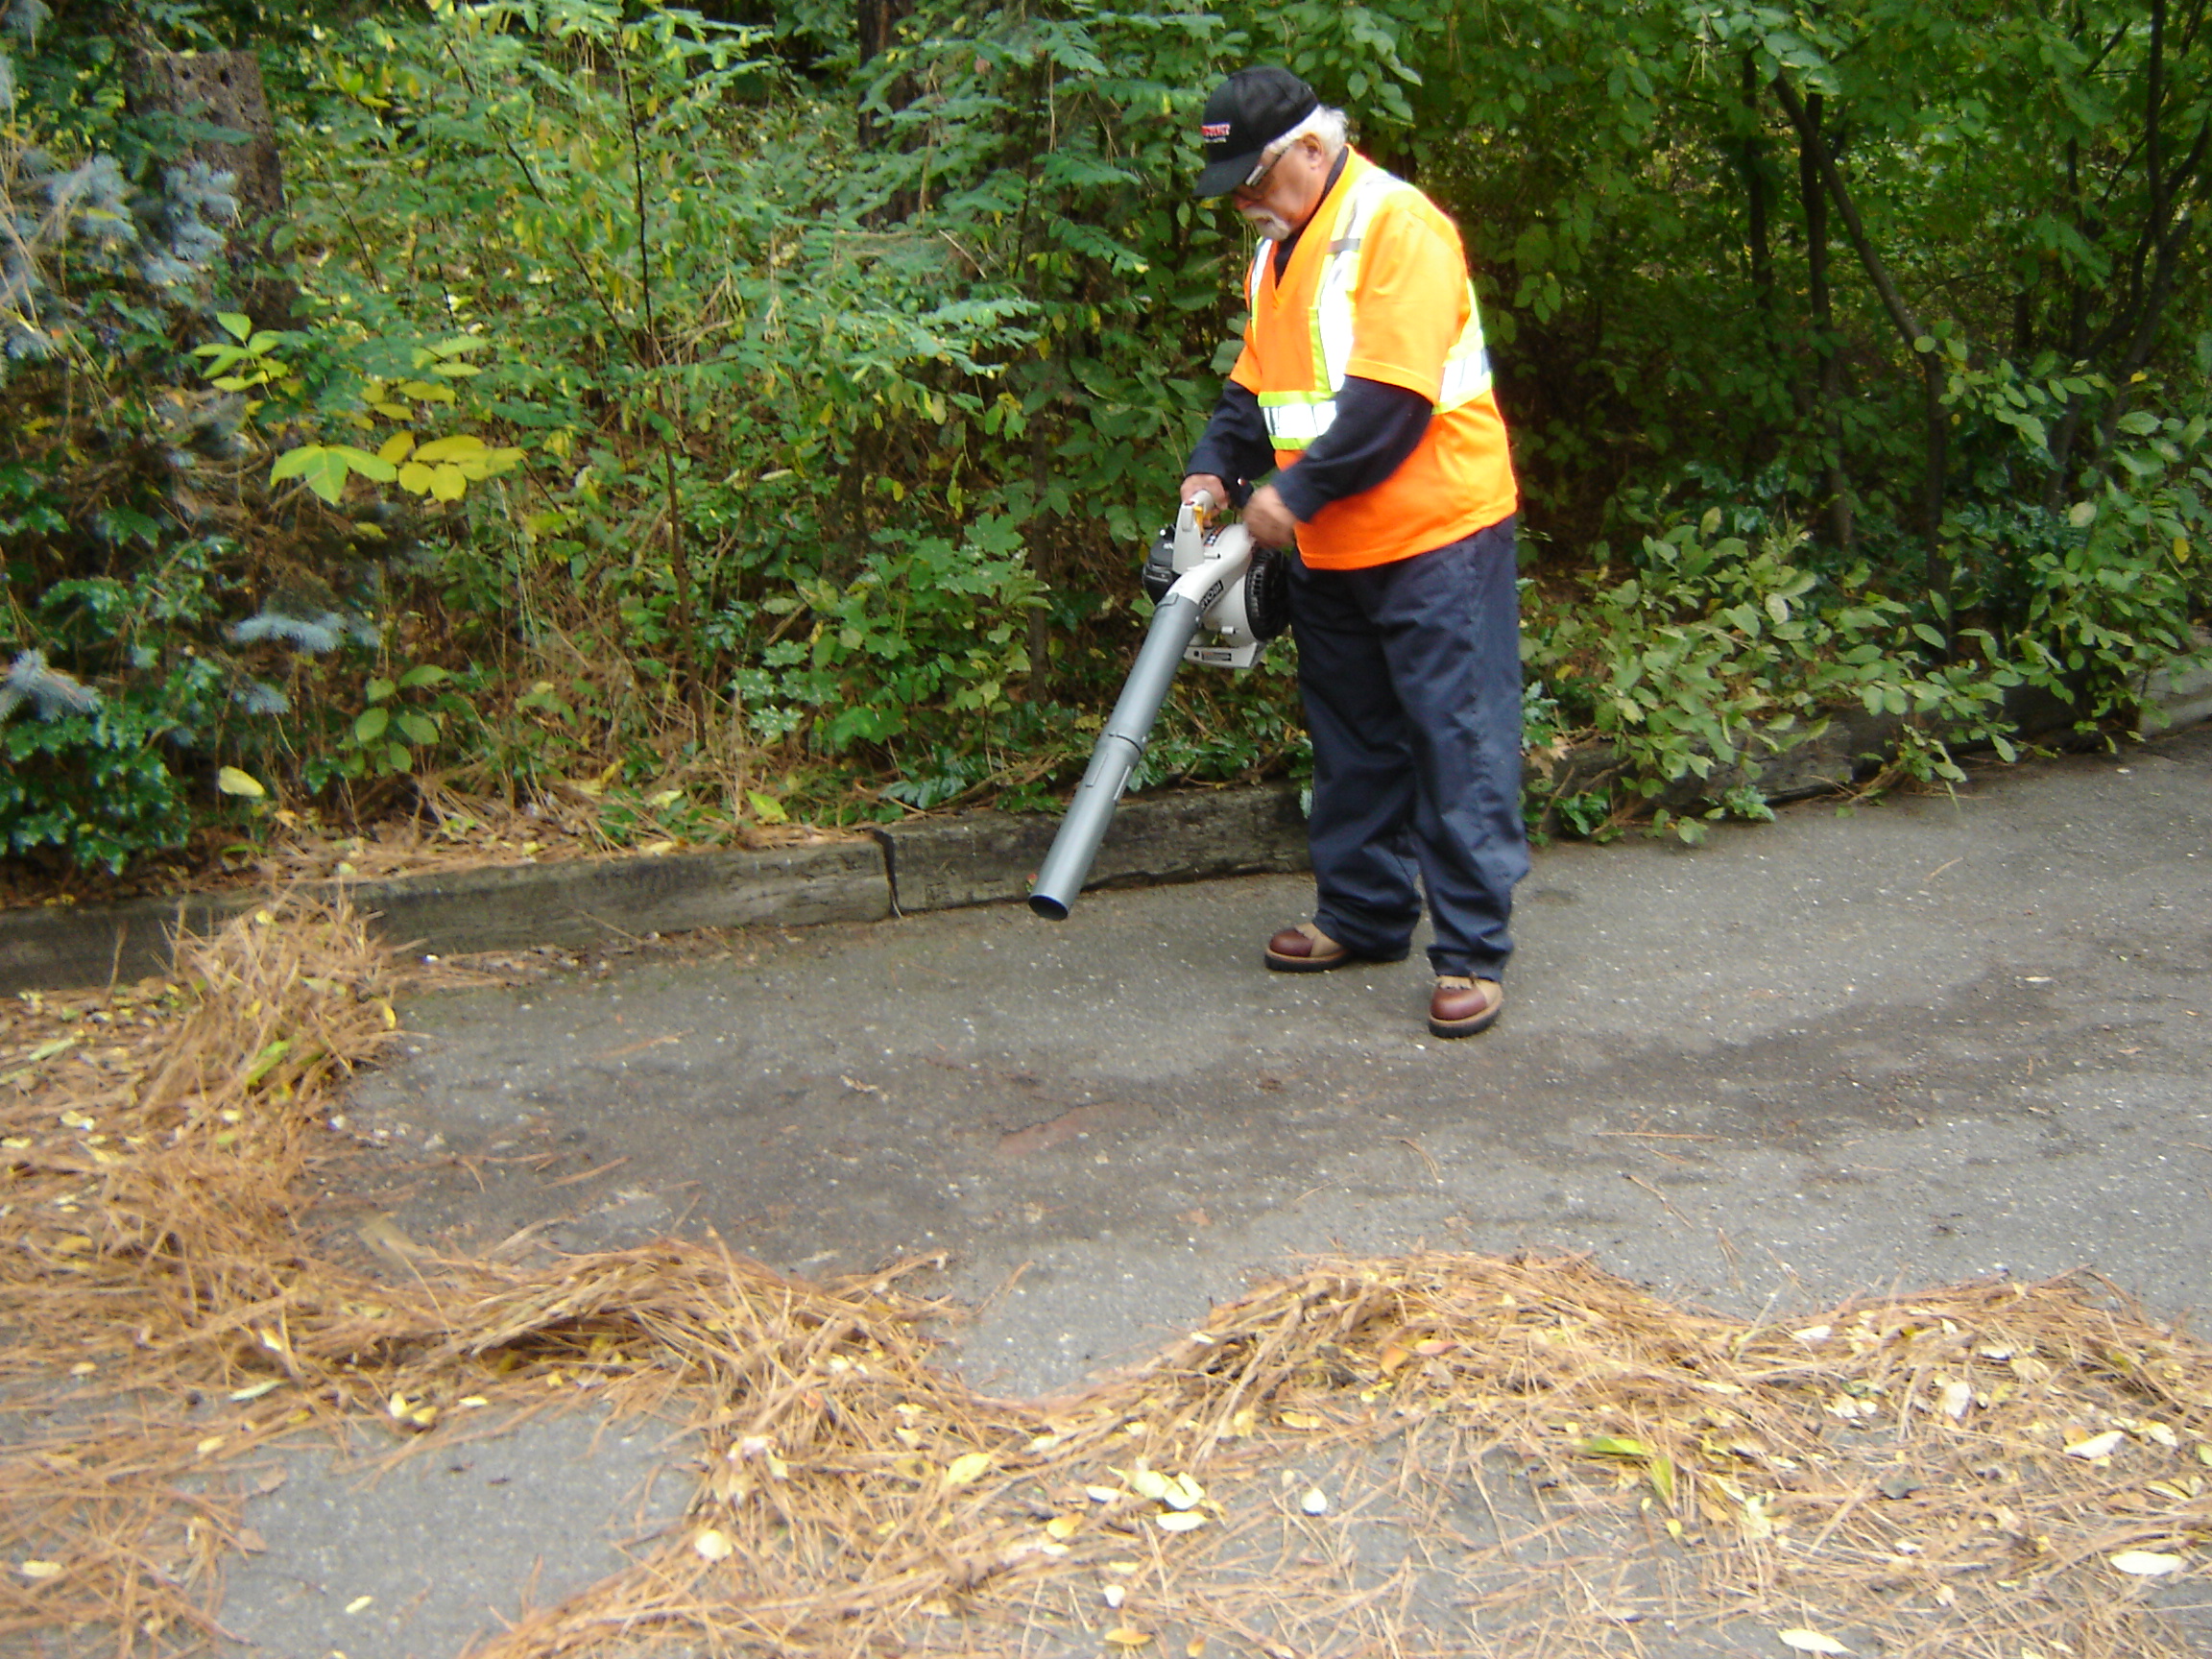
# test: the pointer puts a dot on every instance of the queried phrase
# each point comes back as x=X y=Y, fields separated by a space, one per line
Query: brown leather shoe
x=1306 y=949
x=1462 y=1006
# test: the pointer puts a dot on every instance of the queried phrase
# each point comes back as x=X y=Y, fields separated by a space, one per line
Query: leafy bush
x=114 y=557
x=721 y=421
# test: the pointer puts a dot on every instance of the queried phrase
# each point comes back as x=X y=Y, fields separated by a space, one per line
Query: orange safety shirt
x=1412 y=307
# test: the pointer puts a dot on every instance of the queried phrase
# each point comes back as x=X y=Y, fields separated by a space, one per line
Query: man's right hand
x=1209 y=484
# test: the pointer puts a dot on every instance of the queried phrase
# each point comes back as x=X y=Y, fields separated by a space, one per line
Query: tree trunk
x=1755 y=205
x=223 y=89
x=875 y=26
x=1814 y=198
x=2160 y=241
x=1908 y=328
x=1760 y=250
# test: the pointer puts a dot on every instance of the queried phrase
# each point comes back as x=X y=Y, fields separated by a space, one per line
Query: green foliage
x=815 y=462
x=385 y=737
x=682 y=412
x=95 y=788
x=927 y=624
x=102 y=571
x=2092 y=599
x=1713 y=655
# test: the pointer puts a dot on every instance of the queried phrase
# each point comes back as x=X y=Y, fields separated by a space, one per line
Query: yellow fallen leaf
x=1614 y=1446
x=2164 y=1435
x=1122 y=1636
x=1957 y=1396
x=1180 y=1521
x=1315 y=1501
x=2147 y=1563
x=1107 y=1494
x=1062 y=1527
x=1147 y=1483
x=1182 y=1493
x=1757 y=1523
x=230 y=780
x=1811 y=1642
x=967 y=1467
x=713 y=1544
x=214 y=1443
x=2097 y=1445
x=358 y=1602
x=85 y=1368
x=40 y=1569
x=1301 y=1420
x=255 y=1390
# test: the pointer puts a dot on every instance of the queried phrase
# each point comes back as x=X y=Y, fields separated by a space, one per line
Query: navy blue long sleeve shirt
x=1377 y=426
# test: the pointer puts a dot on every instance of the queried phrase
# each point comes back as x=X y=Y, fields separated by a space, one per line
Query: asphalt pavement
x=1884 y=1048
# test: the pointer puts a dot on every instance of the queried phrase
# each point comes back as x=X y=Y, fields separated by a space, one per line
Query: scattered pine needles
x=1444 y=1454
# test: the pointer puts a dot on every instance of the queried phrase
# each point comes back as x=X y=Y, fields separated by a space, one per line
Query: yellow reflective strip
x=1334 y=329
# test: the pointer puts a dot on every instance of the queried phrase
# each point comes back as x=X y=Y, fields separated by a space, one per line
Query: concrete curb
x=2179 y=696
x=978 y=858
x=484 y=909
x=930 y=864
x=983 y=857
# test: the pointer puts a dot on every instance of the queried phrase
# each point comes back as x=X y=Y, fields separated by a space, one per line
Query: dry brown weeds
x=1434 y=1453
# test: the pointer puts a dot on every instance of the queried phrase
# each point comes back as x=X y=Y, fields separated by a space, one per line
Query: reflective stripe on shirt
x=1296 y=419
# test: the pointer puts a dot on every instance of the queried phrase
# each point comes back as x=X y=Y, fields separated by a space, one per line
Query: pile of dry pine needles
x=1429 y=1454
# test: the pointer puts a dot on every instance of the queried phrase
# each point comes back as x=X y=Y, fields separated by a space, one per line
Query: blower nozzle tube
x=1060 y=878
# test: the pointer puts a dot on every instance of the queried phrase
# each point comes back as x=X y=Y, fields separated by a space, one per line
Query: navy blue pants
x=1411 y=678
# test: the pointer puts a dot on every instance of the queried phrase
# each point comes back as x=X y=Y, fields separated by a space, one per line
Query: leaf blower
x=1200 y=577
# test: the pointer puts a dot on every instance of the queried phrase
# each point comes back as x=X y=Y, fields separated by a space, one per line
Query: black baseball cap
x=1247 y=113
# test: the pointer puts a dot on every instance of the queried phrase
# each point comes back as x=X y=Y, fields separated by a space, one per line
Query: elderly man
x=1364 y=388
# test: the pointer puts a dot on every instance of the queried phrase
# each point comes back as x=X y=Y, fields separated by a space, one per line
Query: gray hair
x=1330 y=126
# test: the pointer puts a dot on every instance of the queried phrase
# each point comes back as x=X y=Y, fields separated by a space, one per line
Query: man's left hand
x=1268 y=519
